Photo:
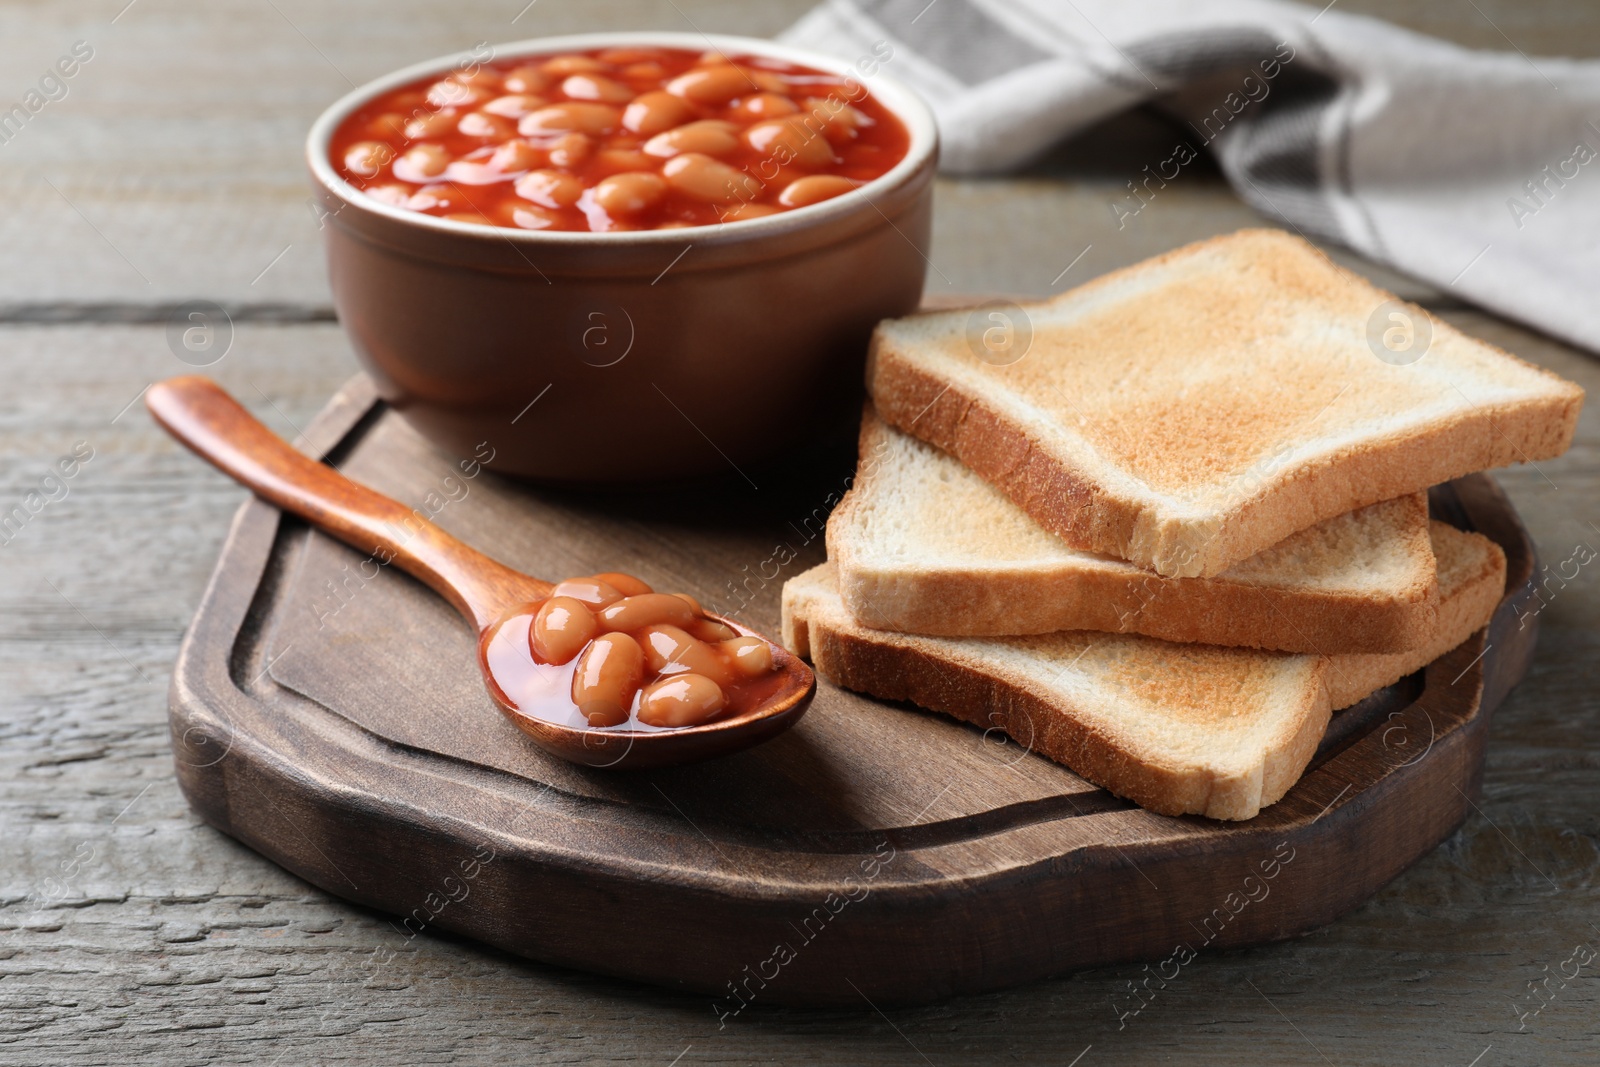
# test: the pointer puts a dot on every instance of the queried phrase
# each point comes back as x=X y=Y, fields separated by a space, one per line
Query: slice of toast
x=1472 y=580
x=1178 y=729
x=1192 y=410
x=922 y=544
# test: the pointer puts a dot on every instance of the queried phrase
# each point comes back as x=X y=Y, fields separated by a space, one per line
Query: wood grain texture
x=738 y=890
x=385 y=537
x=165 y=174
x=176 y=943
x=136 y=933
x=198 y=412
x=172 y=170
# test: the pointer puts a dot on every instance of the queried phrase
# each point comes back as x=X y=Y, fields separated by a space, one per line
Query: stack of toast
x=1167 y=541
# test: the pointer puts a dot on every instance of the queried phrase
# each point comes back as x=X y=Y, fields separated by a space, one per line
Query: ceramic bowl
x=626 y=357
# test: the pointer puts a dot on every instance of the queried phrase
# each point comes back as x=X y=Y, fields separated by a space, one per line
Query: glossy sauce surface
x=607 y=652
x=618 y=139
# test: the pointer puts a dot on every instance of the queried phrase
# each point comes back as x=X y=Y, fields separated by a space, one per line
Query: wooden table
x=131 y=932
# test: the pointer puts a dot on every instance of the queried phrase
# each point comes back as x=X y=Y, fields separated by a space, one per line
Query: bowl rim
x=905 y=104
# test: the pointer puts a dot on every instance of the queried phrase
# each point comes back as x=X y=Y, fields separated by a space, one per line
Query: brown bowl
x=634 y=356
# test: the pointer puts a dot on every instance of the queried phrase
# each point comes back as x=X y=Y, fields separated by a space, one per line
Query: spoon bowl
x=787 y=692
x=201 y=415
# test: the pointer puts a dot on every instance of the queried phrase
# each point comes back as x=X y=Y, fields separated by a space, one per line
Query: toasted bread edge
x=860 y=659
x=1071 y=502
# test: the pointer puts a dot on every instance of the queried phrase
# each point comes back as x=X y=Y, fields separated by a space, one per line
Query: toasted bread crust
x=902 y=667
x=1064 y=499
x=894 y=667
x=1215 y=611
x=1207 y=611
x=1471 y=601
x=1075 y=504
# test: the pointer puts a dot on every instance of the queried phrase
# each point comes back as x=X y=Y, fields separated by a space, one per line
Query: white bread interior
x=1178 y=729
x=922 y=544
x=1192 y=410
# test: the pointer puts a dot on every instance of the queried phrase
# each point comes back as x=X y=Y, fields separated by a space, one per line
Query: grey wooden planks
x=171 y=170
x=152 y=925
x=162 y=941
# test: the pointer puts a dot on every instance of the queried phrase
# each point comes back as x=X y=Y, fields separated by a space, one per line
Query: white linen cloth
x=1478 y=172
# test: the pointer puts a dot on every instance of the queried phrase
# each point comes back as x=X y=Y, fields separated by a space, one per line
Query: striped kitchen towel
x=1478 y=172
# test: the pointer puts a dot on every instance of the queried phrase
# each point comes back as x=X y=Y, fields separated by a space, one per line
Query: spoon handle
x=202 y=415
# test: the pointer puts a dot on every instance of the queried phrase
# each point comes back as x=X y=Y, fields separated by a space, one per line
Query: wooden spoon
x=204 y=417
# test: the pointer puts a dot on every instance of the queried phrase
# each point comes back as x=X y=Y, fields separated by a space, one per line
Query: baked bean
x=560 y=629
x=514 y=156
x=577 y=115
x=609 y=161
x=764 y=106
x=570 y=150
x=814 y=189
x=647 y=609
x=779 y=179
x=624 y=56
x=838 y=121
x=788 y=140
x=651 y=113
x=433 y=124
x=709 y=137
x=711 y=630
x=421 y=163
x=390 y=127
x=596 y=87
x=515 y=105
x=561 y=66
x=749 y=656
x=624 y=653
x=473 y=172
x=526 y=79
x=629 y=193
x=638 y=72
x=731 y=136
x=552 y=189
x=500 y=212
x=485 y=127
x=608 y=675
x=434 y=198
x=670 y=650
x=368 y=158
x=592 y=591
x=531 y=217
x=680 y=700
x=741 y=212
x=451 y=93
x=767 y=81
x=704 y=178
x=626 y=584
x=712 y=85
x=393 y=195
x=480 y=77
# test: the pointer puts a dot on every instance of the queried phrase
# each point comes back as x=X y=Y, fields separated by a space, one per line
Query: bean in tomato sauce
x=618 y=139
x=608 y=651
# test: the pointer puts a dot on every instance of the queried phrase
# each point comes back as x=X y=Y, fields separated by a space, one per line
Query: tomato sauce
x=618 y=139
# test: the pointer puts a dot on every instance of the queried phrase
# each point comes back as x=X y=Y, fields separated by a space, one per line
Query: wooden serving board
x=328 y=714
